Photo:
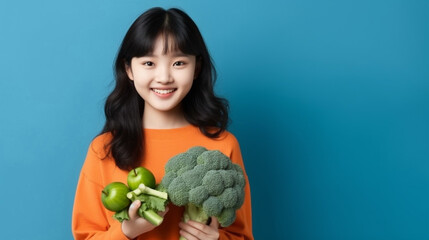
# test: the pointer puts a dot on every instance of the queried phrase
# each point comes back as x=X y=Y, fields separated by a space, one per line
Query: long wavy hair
x=124 y=107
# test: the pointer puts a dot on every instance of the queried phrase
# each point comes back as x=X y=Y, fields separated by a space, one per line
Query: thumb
x=214 y=222
x=132 y=211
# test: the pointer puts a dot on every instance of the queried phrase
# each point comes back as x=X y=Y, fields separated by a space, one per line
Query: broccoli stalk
x=195 y=213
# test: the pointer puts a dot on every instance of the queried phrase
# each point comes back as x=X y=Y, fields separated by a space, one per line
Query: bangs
x=176 y=37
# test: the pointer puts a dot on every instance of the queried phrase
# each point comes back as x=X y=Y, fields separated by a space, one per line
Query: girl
x=163 y=104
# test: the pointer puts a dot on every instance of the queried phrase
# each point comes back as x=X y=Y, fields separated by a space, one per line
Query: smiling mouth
x=163 y=91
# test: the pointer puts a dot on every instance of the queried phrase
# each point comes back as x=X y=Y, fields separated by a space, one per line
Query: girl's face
x=162 y=78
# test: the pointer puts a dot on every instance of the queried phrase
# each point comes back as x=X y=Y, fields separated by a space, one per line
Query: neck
x=163 y=119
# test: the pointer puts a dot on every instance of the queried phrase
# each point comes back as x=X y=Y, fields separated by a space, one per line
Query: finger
x=201 y=227
x=132 y=212
x=199 y=230
x=214 y=223
x=187 y=235
x=189 y=230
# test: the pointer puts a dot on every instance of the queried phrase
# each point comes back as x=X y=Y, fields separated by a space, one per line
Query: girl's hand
x=137 y=225
x=197 y=231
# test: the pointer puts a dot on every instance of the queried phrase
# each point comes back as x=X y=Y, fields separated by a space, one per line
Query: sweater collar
x=169 y=134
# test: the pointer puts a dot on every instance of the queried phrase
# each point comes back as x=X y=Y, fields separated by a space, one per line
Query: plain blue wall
x=329 y=100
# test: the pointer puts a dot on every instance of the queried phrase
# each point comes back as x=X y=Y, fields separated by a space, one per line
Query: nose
x=163 y=75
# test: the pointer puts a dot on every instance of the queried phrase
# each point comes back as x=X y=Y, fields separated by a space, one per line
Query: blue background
x=329 y=100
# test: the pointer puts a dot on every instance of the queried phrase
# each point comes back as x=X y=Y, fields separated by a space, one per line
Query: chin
x=166 y=108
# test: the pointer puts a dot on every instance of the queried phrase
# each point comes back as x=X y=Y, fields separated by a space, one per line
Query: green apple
x=114 y=196
x=140 y=175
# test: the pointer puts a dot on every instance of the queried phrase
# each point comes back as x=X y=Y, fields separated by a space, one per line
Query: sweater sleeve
x=241 y=229
x=89 y=218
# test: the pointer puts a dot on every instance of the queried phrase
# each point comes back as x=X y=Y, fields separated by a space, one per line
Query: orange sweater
x=91 y=220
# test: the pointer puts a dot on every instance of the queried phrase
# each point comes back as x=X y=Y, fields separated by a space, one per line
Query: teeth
x=162 y=91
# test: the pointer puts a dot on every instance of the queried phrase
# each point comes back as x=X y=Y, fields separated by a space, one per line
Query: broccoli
x=207 y=183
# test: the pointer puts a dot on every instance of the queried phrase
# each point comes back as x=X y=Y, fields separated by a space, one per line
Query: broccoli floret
x=179 y=190
x=198 y=195
x=193 y=179
x=228 y=177
x=213 y=182
x=212 y=206
x=227 y=217
x=196 y=151
x=167 y=179
x=181 y=163
x=240 y=196
x=207 y=183
x=214 y=160
x=229 y=198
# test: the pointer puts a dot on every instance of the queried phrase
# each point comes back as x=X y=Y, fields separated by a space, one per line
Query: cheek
x=140 y=79
x=187 y=77
x=188 y=82
x=141 y=86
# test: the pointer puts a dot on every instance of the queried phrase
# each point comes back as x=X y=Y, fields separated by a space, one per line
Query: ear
x=129 y=71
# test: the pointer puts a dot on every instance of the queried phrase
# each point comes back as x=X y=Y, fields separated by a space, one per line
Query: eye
x=148 y=63
x=179 y=64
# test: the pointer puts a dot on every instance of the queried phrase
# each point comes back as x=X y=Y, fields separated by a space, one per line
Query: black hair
x=124 y=107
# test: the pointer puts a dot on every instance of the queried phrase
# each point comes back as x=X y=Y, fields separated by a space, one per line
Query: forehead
x=165 y=44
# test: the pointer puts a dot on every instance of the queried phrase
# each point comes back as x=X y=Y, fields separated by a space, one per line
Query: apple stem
x=104 y=192
x=135 y=172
